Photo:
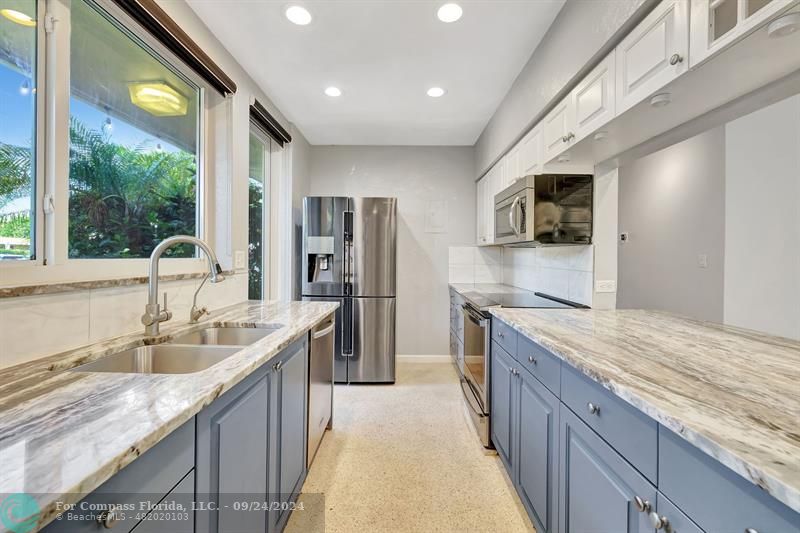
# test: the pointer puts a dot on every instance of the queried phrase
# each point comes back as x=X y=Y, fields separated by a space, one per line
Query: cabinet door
x=717 y=24
x=557 y=128
x=597 y=486
x=644 y=59
x=531 y=152
x=480 y=205
x=513 y=167
x=232 y=452
x=537 y=460
x=501 y=410
x=291 y=381
x=594 y=100
x=678 y=522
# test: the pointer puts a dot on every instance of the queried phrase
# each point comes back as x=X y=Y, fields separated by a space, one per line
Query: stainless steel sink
x=161 y=359
x=230 y=336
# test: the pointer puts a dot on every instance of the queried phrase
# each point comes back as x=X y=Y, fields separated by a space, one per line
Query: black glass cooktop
x=528 y=300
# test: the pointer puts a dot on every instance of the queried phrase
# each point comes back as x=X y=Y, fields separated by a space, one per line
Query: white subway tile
x=580 y=287
x=461 y=255
x=36 y=326
x=488 y=274
x=461 y=274
x=488 y=256
x=581 y=258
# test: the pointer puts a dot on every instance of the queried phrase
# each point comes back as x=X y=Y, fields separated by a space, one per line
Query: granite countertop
x=62 y=434
x=733 y=393
x=479 y=293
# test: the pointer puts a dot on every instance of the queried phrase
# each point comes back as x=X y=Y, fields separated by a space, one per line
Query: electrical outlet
x=606 y=285
x=239 y=259
x=702 y=260
x=624 y=237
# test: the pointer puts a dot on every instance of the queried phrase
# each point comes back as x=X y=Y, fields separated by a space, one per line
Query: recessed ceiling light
x=333 y=91
x=449 y=12
x=298 y=14
x=17 y=16
x=436 y=92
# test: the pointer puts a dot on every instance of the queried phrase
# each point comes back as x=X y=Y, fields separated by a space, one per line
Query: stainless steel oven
x=475 y=370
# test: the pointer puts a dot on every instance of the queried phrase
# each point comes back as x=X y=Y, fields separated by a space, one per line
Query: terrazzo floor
x=403 y=458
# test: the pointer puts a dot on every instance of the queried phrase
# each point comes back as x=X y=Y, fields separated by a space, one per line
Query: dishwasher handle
x=323 y=332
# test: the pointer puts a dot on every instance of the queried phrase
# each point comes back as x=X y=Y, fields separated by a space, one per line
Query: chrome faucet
x=153 y=314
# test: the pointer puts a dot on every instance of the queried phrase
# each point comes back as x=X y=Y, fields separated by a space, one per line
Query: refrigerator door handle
x=347 y=252
x=347 y=327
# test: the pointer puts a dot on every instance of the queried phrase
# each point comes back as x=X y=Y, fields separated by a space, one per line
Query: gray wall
x=578 y=32
x=301 y=170
x=762 y=208
x=672 y=204
x=415 y=175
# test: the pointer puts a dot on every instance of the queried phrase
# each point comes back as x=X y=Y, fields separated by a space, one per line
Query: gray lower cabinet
x=598 y=488
x=288 y=457
x=672 y=519
x=537 y=430
x=251 y=446
x=175 y=513
x=232 y=454
x=503 y=395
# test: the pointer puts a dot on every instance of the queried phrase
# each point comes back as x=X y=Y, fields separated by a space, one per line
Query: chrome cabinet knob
x=108 y=518
x=593 y=408
x=643 y=506
x=750 y=530
x=570 y=136
x=658 y=521
x=531 y=359
x=563 y=138
x=675 y=59
x=277 y=366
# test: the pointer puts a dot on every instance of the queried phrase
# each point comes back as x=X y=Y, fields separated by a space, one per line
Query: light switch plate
x=239 y=259
x=606 y=285
x=702 y=260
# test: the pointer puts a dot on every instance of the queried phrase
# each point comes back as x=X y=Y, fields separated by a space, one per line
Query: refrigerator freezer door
x=374 y=246
x=323 y=245
x=339 y=359
x=373 y=359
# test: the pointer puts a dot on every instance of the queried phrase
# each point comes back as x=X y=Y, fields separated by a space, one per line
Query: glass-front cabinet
x=716 y=24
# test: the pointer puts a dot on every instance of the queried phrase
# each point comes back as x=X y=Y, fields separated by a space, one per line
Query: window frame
x=255 y=130
x=52 y=263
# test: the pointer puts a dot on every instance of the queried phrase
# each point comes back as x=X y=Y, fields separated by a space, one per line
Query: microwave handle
x=511 y=216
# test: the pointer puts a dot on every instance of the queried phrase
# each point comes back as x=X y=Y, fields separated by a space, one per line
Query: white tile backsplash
x=36 y=326
x=488 y=273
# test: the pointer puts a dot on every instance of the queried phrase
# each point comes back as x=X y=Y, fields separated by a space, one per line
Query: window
x=257 y=187
x=134 y=143
x=18 y=130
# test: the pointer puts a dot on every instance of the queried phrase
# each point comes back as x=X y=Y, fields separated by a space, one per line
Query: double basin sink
x=185 y=354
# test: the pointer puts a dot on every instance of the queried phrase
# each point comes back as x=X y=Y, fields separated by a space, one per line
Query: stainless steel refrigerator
x=349 y=256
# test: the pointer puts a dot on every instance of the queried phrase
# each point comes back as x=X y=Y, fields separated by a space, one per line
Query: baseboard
x=424 y=359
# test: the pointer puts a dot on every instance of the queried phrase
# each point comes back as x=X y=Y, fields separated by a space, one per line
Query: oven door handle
x=471 y=399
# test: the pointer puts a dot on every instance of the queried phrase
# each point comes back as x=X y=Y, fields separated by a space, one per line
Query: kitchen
x=610 y=218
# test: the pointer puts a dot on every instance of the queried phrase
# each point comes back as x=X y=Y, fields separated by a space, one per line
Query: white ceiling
x=383 y=55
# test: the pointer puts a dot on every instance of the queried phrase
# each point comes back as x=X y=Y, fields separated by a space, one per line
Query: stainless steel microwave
x=546 y=209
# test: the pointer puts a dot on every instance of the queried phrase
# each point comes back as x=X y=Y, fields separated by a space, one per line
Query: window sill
x=54 y=288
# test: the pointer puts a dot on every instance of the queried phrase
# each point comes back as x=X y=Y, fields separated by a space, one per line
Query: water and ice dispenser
x=320 y=259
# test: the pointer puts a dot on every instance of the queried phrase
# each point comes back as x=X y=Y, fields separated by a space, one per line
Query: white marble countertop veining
x=487 y=288
x=62 y=433
x=731 y=392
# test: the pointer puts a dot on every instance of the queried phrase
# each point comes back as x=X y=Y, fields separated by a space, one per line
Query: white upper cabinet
x=480 y=197
x=593 y=99
x=653 y=54
x=530 y=149
x=716 y=24
x=557 y=128
x=513 y=167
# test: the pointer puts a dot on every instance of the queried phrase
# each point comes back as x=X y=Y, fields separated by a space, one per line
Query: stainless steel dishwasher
x=320 y=384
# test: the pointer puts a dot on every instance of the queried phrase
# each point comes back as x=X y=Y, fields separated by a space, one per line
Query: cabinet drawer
x=147 y=479
x=632 y=433
x=505 y=336
x=677 y=520
x=174 y=513
x=540 y=362
x=713 y=495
